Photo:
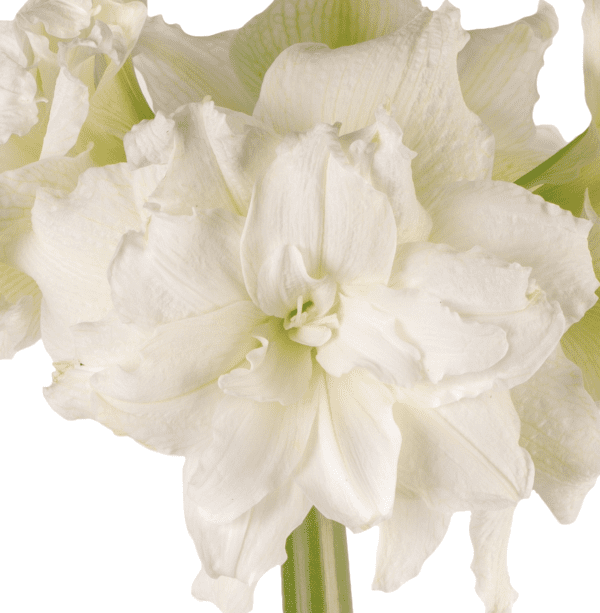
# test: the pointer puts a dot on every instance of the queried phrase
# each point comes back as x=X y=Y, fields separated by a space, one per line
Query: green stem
x=316 y=576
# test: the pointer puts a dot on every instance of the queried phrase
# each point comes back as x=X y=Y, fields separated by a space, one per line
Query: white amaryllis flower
x=313 y=315
x=63 y=72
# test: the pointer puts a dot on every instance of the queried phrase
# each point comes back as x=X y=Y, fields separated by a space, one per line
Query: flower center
x=306 y=326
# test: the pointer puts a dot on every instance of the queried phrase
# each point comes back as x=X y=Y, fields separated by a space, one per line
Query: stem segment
x=316 y=576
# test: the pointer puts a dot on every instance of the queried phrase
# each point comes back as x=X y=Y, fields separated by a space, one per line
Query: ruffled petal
x=413 y=68
x=465 y=455
x=349 y=471
x=561 y=430
x=181 y=266
x=469 y=282
x=179 y=68
x=254 y=542
x=280 y=370
x=150 y=141
x=406 y=540
x=313 y=199
x=498 y=70
x=230 y=595
x=517 y=226
x=18 y=89
x=61 y=18
x=489 y=532
x=285 y=23
x=254 y=450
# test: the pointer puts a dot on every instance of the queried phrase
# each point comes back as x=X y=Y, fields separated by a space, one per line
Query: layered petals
x=61 y=18
x=464 y=455
x=517 y=226
x=561 y=430
x=406 y=540
x=230 y=595
x=489 y=532
x=351 y=478
x=254 y=542
x=498 y=70
x=309 y=83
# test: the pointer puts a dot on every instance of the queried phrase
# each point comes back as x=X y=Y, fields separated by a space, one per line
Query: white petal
x=255 y=448
x=179 y=68
x=414 y=68
x=517 y=226
x=406 y=540
x=182 y=266
x=313 y=199
x=70 y=394
x=498 y=71
x=18 y=89
x=561 y=430
x=449 y=345
x=469 y=282
x=72 y=243
x=591 y=56
x=367 y=338
x=229 y=595
x=489 y=532
x=150 y=141
x=61 y=18
x=286 y=22
x=254 y=542
x=280 y=370
x=464 y=455
x=349 y=472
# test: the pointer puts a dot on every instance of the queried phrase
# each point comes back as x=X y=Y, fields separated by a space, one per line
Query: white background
x=93 y=523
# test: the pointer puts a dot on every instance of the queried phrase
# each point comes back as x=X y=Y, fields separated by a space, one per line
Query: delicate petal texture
x=150 y=141
x=517 y=226
x=312 y=198
x=469 y=282
x=498 y=70
x=183 y=266
x=255 y=448
x=406 y=540
x=591 y=56
x=489 y=532
x=72 y=242
x=252 y=543
x=216 y=158
x=464 y=455
x=19 y=311
x=69 y=110
x=349 y=477
x=230 y=595
x=18 y=89
x=61 y=18
x=70 y=392
x=561 y=430
x=336 y=23
x=367 y=338
x=179 y=68
x=308 y=84
x=280 y=370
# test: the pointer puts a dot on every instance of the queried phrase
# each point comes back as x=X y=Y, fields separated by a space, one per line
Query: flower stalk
x=316 y=575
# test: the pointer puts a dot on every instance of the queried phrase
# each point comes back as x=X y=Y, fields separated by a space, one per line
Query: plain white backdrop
x=93 y=523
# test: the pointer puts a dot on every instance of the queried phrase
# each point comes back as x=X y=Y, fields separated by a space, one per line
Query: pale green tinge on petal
x=18 y=89
x=348 y=478
x=20 y=301
x=229 y=595
x=254 y=542
x=336 y=23
x=280 y=370
x=490 y=531
x=406 y=540
x=517 y=226
x=464 y=455
x=179 y=68
x=179 y=266
x=498 y=70
x=412 y=69
x=561 y=430
x=61 y=18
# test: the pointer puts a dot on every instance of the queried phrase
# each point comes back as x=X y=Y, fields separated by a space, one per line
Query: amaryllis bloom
x=313 y=286
x=63 y=67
